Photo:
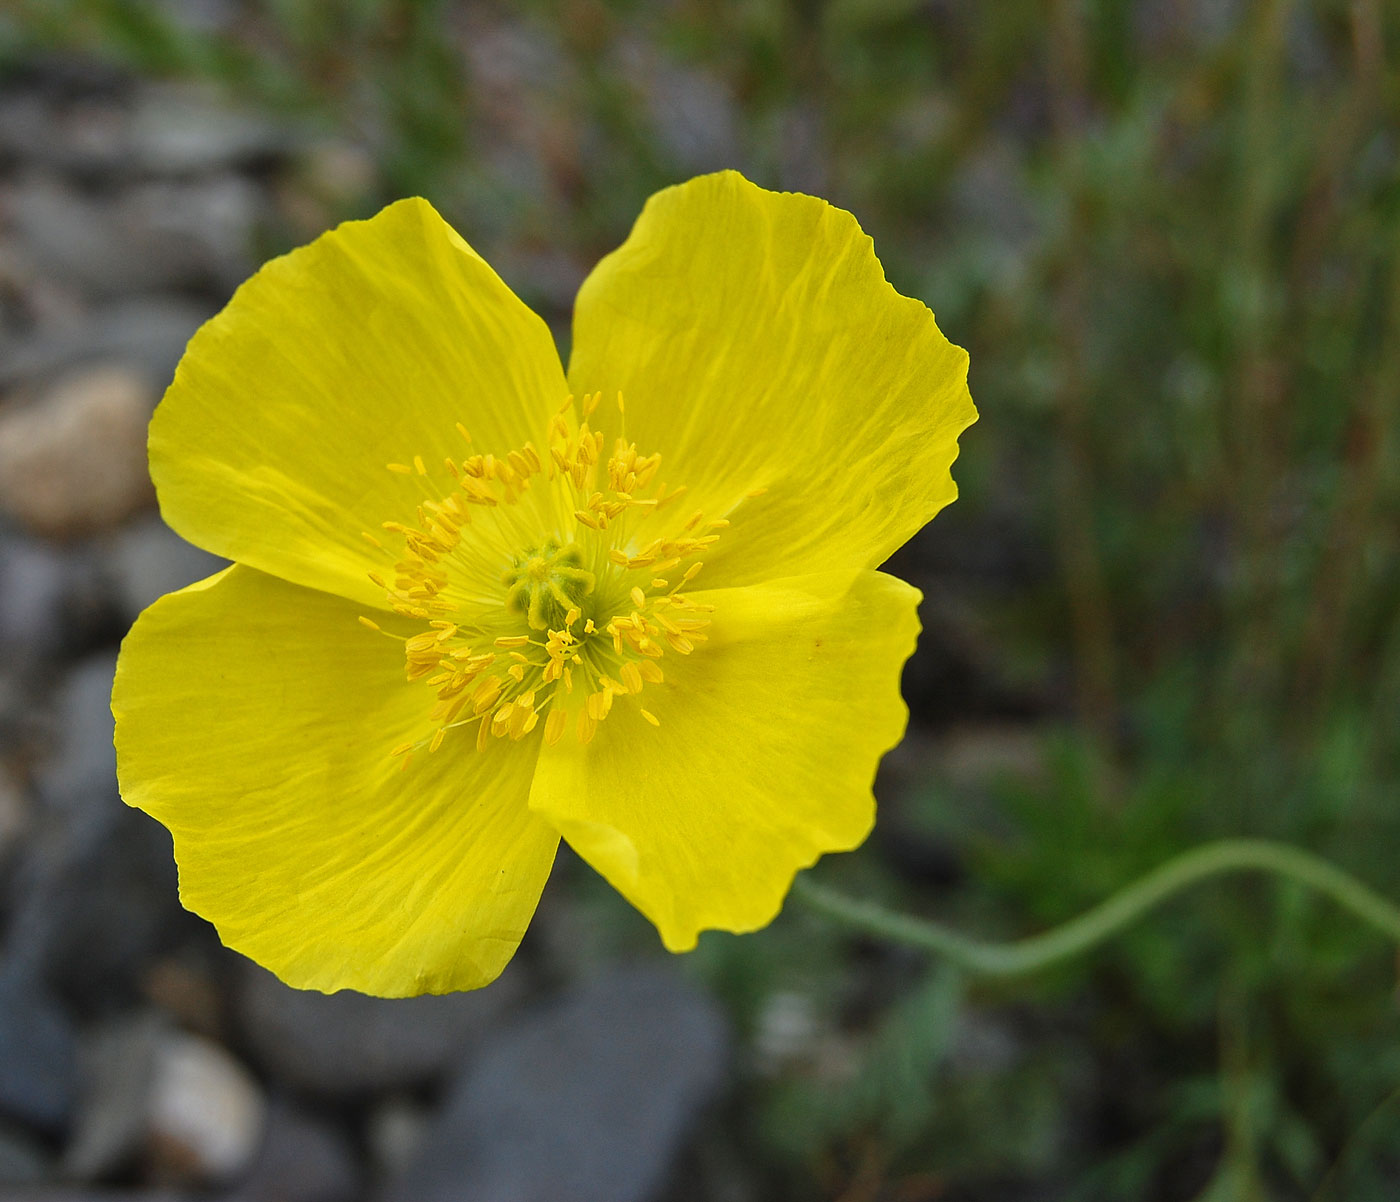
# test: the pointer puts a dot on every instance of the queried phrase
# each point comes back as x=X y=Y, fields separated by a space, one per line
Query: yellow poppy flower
x=467 y=615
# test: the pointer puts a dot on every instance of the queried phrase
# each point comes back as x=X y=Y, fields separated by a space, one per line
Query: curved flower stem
x=1030 y=955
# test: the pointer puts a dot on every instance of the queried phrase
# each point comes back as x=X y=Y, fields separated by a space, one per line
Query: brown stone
x=73 y=462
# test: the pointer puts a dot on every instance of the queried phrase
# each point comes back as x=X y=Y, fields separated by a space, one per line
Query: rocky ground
x=138 y=1058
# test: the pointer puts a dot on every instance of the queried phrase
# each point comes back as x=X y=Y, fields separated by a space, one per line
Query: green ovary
x=548 y=582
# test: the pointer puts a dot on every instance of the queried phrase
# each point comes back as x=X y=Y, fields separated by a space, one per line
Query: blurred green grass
x=1169 y=234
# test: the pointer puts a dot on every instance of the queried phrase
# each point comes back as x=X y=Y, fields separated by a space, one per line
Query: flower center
x=548 y=585
x=547 y=582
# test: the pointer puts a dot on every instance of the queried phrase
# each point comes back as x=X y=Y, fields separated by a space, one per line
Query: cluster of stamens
x=550 y=585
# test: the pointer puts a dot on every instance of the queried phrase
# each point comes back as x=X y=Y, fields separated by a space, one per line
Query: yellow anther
x=523 y=716
x=650 y=717
x=554 y=725
x=401 y=469
x=484 y=697
x=481 y=614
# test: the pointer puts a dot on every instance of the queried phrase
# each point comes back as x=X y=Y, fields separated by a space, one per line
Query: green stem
x=1030 y=955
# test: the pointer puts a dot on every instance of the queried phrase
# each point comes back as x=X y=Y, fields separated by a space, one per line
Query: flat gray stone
x=38 y=1054
x=146 y=559
x=347 y=1045
x=146 y=332
x=302 y=1159
x=94 y=892
x=23 y=1160
x=590 y=1098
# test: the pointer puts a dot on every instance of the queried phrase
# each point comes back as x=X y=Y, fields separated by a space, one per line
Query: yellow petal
x=763 y=758
x=759 y=346
x=364 y=348
x=256 y=719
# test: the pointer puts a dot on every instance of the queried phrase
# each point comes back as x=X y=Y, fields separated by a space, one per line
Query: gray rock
x=146 y=333
x=15 y=815
x=22 y=1159
x=19 y=724
x=117 y=1059
x=38 y=1053
x=80 y=130
x=395 y=1132
x=53 y=602
x=47 y=1193
x=150 y=236
x=78 y=780
x=301 y=1160
x=146 y=559
x=179 y=130
x=176 y=1104
x=590 y=1098
x=95 y=891
x=346 y=1044
x=34 y=579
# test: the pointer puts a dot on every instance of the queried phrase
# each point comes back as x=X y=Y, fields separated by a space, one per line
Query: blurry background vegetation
x=1165 y=606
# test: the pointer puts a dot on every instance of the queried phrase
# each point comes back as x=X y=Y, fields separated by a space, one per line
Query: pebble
x=395 y=1133
x=48 y=1193
x=118 y=1068
x=22 y=1158
x=145 y=559
x=74 y=462
x=54 y=602
x=149 y=236
x=179 y=130
x=142 y=333
x=206 y=1117
x=174 y=1106
x=38 y=1053
x=95 y=889
x=77 y=779
x=302 y=1159
x=15 y=814
x=346 y=1044
x=590 y=1098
